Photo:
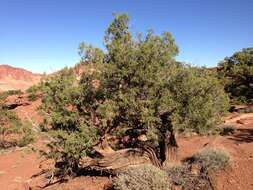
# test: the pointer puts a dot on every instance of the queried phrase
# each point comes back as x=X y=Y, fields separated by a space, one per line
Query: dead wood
x=119 y=160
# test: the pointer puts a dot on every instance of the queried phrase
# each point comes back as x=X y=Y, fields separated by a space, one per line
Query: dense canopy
x=134 y=87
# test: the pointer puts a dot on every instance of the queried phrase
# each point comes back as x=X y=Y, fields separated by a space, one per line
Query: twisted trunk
x=168 y=144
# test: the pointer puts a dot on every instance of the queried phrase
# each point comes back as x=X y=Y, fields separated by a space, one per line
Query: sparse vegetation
x=195 y=173
x=13 y=132
x=211 y=159
x=32 y=97
x=5 y=94
x=179 y=174
x=33 y=92
x=27 y=136
x=183 y=178
x=143 y=177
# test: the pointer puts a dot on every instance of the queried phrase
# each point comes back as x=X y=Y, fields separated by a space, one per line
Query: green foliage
x=90 y=53
x=60 y=90
x=33 y=92
x=135 y=84
x=143 y=82
x=33 y=89
x=143 y=177
x=213 y=159
x=237 y=74
x=27 y=135
x=72 y=134
x=5 y=94
x=201 y=102
x=13 y=132
x=32 y=97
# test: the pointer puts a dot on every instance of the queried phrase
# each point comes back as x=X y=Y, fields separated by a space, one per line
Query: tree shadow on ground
x=243 y=136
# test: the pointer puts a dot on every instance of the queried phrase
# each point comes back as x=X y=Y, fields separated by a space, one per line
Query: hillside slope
x=12 y=78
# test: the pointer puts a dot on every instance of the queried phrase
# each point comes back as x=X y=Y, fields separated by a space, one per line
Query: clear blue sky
x=43 y=35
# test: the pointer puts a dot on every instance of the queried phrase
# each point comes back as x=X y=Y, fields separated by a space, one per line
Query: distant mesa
x=12 y=78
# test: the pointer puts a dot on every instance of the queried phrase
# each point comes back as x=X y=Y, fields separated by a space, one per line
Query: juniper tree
x=237 y=74
x=145 y=89
x=134 y=86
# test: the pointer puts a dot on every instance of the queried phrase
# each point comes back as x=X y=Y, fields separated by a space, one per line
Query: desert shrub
x=5 y=94
x=213 y=159
x=143 y=177
x=191 y=177
x=179 y=175
x=182 y=176
x=13 y=132
x=32 y=97
x=196 y=172
x=33 y=91
x=27 y=135
x=201 y=181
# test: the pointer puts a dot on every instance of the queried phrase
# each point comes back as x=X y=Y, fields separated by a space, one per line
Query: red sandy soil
x=16 y=169
x=12 y=78
x=19 y=165
x=25 y=110
x=239 y=176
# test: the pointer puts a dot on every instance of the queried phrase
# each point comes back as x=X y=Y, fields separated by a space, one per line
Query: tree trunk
x=168 y=148
x=103 y=146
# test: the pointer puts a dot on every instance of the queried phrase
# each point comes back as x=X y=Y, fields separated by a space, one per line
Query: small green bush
x=211 y=158
x=179 y=175
x=5 y=94
x=13 y=132
x=32 y=97
x=182 y=177
x=194 y=174
x=33 y=92
x=28 y=135
x=143 y=177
